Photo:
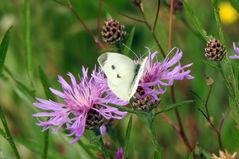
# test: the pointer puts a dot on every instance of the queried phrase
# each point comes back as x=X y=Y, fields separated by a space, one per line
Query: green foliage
x=48 y=35
x=235 y=4
x=127 y=137
x=3 y=48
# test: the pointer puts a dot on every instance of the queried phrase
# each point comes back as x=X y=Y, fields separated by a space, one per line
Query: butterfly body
x=122 y=73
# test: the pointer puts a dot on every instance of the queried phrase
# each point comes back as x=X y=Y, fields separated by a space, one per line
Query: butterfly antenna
x=130 y=50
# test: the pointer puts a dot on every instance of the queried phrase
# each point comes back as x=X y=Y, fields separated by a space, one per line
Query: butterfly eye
x=113 y=67
x=118 y=76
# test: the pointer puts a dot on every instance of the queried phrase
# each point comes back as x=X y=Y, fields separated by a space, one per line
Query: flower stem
x=46 y=144
x=8 y=134
x=152 y=128
x=124 y=15
x=152 y=32
x=74 y=12
x=156 y=17
x=181 y=128
x=102 y=145
x=27 y=39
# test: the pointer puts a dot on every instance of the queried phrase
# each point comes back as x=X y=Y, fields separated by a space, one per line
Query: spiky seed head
x=145 y=103
x=112 y=31
x=214 y=50
x=94 y=119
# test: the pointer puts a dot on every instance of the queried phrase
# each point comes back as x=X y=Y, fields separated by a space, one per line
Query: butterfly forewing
x=119 y=70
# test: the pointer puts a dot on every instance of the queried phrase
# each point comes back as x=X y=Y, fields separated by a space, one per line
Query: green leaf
x=173 y=106
x=235 y=136
x=235 y=4
x=123 y=108
x=3 y=48
x=127 y=138
x=87 y=149
x=190 y=156
x=197 y=26
x=29 y=93
x=46 y=84
x=37 y=148
x=27 y=37
x=8 y=134
x=157 y=155
x=3 y=134
x=128 y=42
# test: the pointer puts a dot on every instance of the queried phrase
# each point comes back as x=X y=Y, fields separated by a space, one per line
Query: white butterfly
x=122 y=73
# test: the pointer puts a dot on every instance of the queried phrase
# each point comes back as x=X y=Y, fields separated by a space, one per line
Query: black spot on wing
x=118 y=76
x=113 y=67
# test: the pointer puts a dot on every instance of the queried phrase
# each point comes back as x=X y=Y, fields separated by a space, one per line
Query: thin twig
x=170 y=122
x=170 y=25
x=71 y=7
x=156 y=17
x=153 y=33
x=74 y=12
x=207 y=99
x=181 y=128
x=122 y=14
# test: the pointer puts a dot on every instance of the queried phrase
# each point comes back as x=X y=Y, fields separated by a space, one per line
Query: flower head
x=236 y=49
x=86 y=105
x=120 y=153
x=157 y=76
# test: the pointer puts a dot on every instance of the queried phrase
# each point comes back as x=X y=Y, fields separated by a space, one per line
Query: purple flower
x=159 y=75
x=120 y=153
x=236 y=49
x=84 y=102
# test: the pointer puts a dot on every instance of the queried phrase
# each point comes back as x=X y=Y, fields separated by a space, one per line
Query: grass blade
x=27 y=37
x=87 y=150
x=3 y=48
x=46 y=84
x=197 y=26
x=3 y=134
x=128 y=43
x=8 y=134
x=29 y=93
x=127 y=137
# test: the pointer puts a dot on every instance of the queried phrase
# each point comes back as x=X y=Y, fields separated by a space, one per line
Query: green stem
x=102 y=145
x=46 y=144
x=153 y=131
x=27 y=38
x=7 y=133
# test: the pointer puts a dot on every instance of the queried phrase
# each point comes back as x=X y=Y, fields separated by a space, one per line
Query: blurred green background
x=61 y=45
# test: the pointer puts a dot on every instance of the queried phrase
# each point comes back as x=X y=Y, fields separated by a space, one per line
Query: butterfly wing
x=120 y=73
x=139 y=70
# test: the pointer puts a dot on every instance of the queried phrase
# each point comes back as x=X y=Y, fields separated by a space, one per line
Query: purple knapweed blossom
x=80 y=98
x=119 y=154
x=158 y=75
x=236 y=49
